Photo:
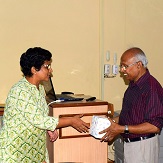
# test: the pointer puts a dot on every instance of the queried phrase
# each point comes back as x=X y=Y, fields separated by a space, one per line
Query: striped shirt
x=142 y=102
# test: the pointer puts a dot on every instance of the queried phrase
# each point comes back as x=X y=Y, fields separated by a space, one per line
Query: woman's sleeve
x=35 y=110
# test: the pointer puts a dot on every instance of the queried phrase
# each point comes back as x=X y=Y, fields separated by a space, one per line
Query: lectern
x=75 y=147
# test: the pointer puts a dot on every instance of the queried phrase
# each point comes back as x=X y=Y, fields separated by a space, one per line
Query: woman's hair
x=33 y=57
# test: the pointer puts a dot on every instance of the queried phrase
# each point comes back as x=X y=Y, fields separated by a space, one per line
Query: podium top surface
x=77 y=103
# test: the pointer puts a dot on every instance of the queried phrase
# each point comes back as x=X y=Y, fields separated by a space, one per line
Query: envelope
x=98 y=124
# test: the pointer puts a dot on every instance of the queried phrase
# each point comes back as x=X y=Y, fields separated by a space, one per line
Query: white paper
x=98 y=124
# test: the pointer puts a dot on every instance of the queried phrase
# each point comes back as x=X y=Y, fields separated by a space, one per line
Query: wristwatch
x=126 y=131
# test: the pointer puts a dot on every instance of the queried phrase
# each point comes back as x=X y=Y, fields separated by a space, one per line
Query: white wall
x=130 y=23
x=68 y=28
x=79 y=33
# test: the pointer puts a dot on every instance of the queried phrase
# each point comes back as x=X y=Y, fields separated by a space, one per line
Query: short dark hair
x=33 y=57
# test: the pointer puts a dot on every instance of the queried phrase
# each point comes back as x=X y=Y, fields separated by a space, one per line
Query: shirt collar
x=141 y=80
x=29 y=84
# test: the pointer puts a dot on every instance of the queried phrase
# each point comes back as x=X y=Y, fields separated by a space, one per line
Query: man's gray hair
x=141 y=57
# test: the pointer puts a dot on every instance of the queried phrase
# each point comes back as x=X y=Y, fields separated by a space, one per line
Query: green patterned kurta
x=26 y=120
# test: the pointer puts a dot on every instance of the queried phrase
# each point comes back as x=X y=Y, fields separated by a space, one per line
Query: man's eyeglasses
x=124 y=67
x=47 y=66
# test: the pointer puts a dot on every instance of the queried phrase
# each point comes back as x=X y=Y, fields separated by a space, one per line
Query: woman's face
x=45 y=72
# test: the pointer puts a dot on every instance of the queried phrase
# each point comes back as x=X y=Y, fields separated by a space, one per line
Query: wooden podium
x=75 y=147
x=2 y=109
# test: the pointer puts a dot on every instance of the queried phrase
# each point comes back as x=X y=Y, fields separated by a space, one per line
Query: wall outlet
x=107 y=69
x=115 y=69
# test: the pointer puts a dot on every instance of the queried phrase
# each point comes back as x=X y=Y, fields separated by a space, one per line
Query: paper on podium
x=98 y=124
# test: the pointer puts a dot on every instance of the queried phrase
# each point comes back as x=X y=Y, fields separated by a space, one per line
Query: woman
x=26 y=120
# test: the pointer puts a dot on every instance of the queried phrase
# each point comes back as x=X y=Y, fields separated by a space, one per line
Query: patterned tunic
x=26 y=120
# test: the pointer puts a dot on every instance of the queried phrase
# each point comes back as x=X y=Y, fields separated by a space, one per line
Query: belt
x=127 y=140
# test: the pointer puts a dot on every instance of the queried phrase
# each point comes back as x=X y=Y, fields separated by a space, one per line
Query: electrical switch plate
x=115 y=69
x=115 y=58
x=107 y=68
x=108 y=55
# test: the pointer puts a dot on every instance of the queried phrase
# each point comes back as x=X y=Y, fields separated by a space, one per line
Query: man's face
x=129 y=67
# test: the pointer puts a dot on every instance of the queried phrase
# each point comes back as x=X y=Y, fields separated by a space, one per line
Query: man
x=141 y=117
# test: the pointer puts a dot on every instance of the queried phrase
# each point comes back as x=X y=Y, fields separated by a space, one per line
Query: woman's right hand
x=74 y=122
x=79 y=124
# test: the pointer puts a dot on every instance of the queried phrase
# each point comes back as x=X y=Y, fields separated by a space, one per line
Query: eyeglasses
x=47 y=66
x=124 y=67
